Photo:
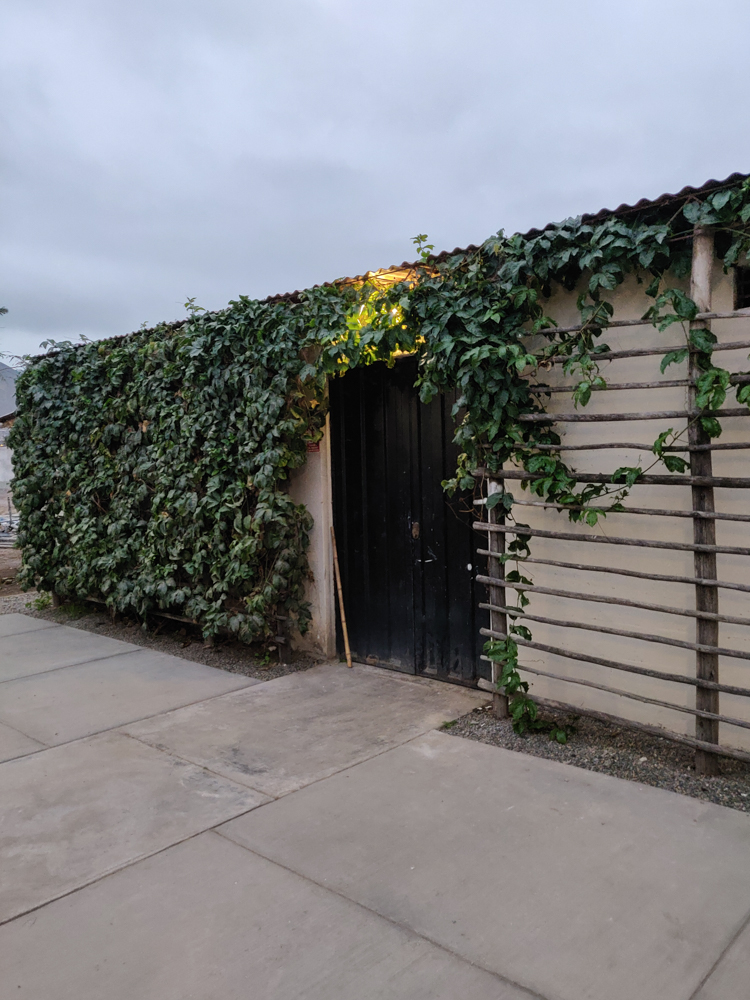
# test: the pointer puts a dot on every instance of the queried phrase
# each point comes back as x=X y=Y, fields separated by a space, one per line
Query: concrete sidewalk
x=170 y=830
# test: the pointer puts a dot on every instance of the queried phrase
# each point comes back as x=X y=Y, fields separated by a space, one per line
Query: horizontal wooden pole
x=634 y=446
x=643 y=727
x=729 y=482
x=653 y=511
x=644 y=699
x=624 y=602
x=606 y=630
x=592 y=418
x=658 y=675
x=637 y=574
x=545 y=390
x=645 y=543
x=718 y=650
x=735 y=345
x=616 y=324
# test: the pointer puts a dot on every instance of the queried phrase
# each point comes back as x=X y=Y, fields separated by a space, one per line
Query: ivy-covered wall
x=152 y=470
x=630 y=302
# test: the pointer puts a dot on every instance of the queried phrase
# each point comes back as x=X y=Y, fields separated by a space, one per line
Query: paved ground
x=170 y=831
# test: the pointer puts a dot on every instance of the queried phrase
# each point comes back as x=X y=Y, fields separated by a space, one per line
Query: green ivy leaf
x=674 y=463
x=582 y=394
x=522 y=631
x=702 y=340
x=673 y=358
x=626 y=474
x=661 y=441
x=711 y=426
x=693 y=212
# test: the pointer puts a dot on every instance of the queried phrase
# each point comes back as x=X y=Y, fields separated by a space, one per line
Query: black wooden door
x=406 y=551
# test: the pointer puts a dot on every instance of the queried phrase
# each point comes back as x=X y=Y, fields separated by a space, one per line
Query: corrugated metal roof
x=408 y=268
x=645 y=205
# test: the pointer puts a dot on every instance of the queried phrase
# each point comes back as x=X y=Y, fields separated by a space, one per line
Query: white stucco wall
x=631 y=302
x=311 y=485
x=6 y=468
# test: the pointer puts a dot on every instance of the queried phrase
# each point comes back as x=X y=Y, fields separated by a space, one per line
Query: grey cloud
x=155 y=150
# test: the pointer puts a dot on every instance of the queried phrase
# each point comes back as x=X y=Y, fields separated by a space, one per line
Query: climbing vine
x=152 y=470
x=649 y=249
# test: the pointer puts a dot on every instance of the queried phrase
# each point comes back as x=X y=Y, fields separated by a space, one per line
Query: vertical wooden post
x=704 y=530
x=496 y=568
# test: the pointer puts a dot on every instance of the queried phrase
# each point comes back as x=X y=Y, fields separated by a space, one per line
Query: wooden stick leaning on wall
x=337 y=571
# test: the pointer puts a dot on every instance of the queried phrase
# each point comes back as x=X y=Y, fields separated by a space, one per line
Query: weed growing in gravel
x=75 y=609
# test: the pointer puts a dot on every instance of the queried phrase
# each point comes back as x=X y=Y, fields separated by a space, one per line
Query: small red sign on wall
x=313 y=446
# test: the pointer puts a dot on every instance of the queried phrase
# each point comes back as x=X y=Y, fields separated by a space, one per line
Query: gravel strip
x=165 y=637
x=17 y=604
x=623 y=753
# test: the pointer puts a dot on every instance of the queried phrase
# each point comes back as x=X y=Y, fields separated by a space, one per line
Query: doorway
x=407 y=551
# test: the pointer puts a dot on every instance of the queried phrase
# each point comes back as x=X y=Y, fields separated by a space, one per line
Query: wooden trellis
x=704 y=582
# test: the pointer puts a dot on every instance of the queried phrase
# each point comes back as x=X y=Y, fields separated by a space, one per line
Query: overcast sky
x=158 y=149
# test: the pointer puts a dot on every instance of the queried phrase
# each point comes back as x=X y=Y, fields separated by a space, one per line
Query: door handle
x=429 y=553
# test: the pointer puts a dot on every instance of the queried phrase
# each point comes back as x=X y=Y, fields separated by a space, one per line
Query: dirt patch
x=623 y=753
x=164 y=636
